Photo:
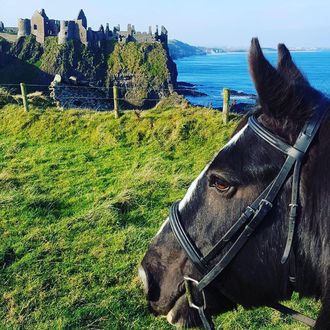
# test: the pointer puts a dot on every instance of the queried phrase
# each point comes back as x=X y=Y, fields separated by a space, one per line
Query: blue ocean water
x=211 y=73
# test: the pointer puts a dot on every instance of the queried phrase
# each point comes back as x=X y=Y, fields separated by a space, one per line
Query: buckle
x=293 y=205
x=191 y=284
x=267 y=203
x=206 y=318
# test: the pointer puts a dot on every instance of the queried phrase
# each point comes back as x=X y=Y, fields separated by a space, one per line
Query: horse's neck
x=313 y=232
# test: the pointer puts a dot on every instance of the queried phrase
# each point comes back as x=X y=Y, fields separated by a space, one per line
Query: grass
x=81 y=196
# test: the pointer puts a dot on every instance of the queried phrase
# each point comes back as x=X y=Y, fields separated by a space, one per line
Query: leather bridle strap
x=185 y=241
x=300 y=148
x=242 y=220
x=274 y=140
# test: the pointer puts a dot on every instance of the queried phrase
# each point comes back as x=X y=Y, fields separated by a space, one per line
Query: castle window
x=35 y=26
x=66 y=33
x=66 y=23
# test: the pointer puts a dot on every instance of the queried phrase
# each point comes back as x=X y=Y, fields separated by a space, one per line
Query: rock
x=188 y=89
x=242 y=108
x=57 y=78
x=185 y=84
x=234 y=93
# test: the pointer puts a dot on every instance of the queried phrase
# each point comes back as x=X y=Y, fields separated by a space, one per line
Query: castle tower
x=24 y=28
x=164 y=36
x=39 y=25
x=129 y=29
x=90 y=36
x=82 y=17
x=67 y=31
x=163 y=30
x=100 y=35
x=116 y=29
x=108 y=33
x=43 y=13
x=2 y=26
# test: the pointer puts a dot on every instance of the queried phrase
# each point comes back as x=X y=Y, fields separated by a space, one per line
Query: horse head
x=240 y=177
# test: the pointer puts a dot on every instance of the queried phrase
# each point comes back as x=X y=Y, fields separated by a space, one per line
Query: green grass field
x=81 y=196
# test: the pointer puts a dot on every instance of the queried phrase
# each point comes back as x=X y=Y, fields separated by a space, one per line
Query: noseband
x=251 y=218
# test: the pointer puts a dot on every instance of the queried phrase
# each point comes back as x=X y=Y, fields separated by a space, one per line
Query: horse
x=254 y=226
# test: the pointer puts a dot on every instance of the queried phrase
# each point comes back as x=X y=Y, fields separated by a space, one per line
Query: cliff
x=179 y=49
x=75 y=59
x=4 y=49
x=141 y=70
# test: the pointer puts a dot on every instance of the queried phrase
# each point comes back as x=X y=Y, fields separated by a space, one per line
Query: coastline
x=209 y=74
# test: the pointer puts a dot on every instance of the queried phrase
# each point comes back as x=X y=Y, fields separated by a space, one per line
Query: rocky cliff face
x=4 y=49
x=75 y=59
x=144 y=73
x=140 y=70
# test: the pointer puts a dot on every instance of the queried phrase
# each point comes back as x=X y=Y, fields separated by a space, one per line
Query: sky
x=210 y=23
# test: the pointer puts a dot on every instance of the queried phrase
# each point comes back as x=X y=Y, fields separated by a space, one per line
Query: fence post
x=24 y=97
x=115 y=101
x=225 y=108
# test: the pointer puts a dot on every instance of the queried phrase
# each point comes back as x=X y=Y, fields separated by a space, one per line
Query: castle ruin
x=42 y=27
x=2 y=27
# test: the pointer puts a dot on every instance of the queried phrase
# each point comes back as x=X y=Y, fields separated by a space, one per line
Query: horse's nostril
x=143 y=278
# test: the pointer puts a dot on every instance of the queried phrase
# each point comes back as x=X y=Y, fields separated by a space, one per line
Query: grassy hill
x=179 y=49
x=141 y=70
x=81 y=196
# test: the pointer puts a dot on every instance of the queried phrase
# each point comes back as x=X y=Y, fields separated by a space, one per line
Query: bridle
x=250 y=219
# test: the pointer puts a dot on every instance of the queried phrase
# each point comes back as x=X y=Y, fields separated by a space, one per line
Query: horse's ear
x=287 y=67
x=272 y=87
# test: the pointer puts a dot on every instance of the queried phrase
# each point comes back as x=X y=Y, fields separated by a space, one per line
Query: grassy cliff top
x=139 y=58
x=81 y=196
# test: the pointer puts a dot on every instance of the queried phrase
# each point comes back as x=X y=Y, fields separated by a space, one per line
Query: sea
x=211 y=73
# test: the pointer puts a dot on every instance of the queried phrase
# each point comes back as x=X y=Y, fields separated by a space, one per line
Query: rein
x=250 y=219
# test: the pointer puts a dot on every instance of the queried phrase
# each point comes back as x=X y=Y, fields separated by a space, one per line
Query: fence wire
x=102 y=88
x=59 y=95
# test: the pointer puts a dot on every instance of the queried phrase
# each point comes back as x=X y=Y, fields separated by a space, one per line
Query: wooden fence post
x=115 y=101
x=225 y=108
x=24 y=97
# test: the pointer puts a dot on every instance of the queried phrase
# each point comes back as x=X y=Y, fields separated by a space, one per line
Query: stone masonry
x=42 y=27
x=71 y=95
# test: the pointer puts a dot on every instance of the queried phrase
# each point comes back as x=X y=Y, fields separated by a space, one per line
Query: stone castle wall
x=24 y=27
x=38 y=27
x=41 y=26
x=68 y=95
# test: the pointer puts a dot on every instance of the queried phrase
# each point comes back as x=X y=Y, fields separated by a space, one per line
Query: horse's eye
x=220 y=184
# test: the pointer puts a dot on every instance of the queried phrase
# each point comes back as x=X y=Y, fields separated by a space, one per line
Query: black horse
x=257 y=274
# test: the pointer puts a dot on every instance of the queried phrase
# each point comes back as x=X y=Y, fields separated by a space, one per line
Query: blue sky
x=198 y=22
